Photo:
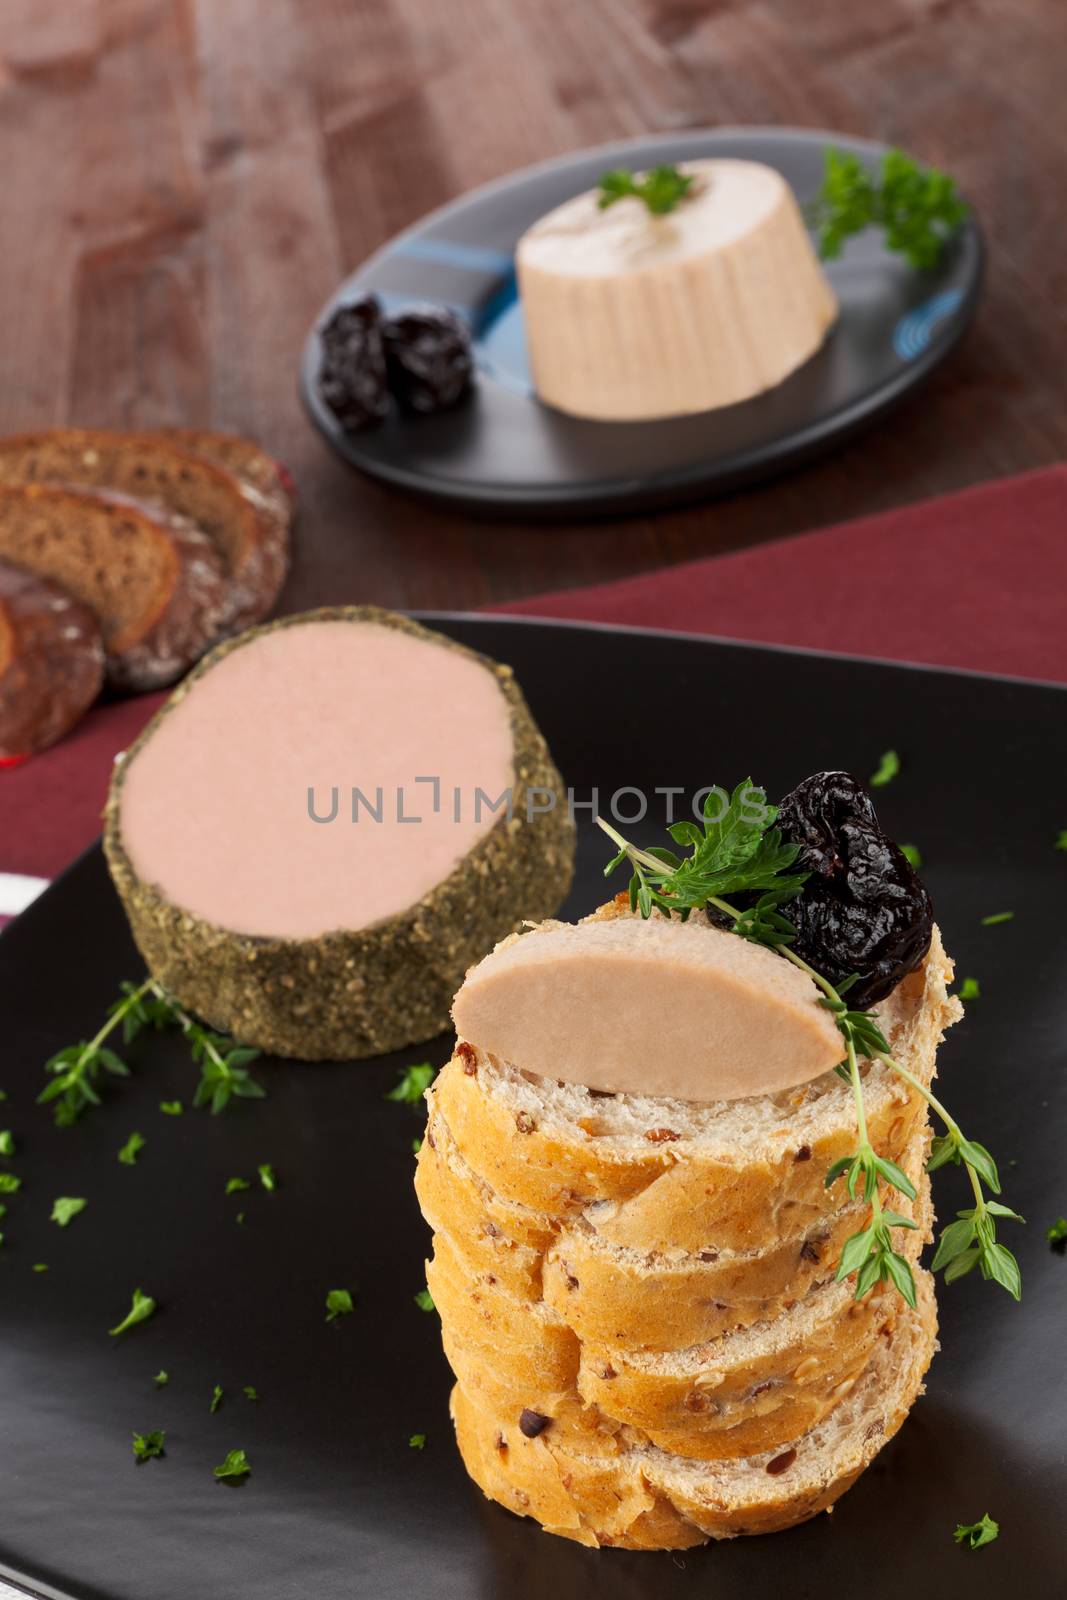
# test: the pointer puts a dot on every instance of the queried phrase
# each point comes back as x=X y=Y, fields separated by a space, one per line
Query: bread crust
x=51 y=662
x=644 y=1498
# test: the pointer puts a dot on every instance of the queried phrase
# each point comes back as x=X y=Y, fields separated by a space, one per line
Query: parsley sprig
x=75 y=1070
x=918 y=208
x=661 y=188
x=740 y=851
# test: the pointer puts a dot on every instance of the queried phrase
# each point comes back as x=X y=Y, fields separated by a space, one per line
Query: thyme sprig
x=75 y=1071
x=740 y=850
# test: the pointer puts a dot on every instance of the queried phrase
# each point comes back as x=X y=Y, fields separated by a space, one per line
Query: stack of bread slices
x=123 y=556
x=638 y=1296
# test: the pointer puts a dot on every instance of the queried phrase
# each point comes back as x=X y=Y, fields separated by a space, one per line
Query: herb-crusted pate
x=340 y=991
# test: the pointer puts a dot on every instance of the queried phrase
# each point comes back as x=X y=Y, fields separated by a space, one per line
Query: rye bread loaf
x=152 y=467
x=51 y=661
x=647 y=1498
x=338 y=989
x=152 y=579
x=676 y=1175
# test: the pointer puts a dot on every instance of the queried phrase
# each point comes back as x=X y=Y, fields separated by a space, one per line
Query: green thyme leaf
x=413 y=1084
x=9 y=1184
x=1057 y=1234
x=996 y=917
x=975 y=1534
x=970 y=989
x=141 y=1308
x=424 y=1300
x=416 y=1144
x=235 y=1466
x=171 y=1108
x=7 y=1142
x=887 y=770
x=338 y=1304
x=661 y=188
x=148 y=1446
x=236 y=1185
x=910 y=852
x=131 y=1149
x=267 y=1176
x=249 y=1392
x=216 y=1399
x=1061 y=840
x=40 y=1266
x=66 y=1208
x=161 y=1379
x=417 y=1441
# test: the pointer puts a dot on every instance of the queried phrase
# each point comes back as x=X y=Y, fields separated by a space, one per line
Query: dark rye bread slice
x=51 y=662
x=153 y=581
x=150 y=466
x=263 y=480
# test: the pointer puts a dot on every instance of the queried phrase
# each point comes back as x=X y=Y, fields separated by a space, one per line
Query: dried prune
x=428 y=352
x=352 y=376
x=863 y=908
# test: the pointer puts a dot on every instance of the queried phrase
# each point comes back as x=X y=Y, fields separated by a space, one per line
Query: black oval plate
x=503 y=450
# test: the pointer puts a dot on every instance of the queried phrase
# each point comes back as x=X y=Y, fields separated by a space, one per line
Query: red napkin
x=974 y=580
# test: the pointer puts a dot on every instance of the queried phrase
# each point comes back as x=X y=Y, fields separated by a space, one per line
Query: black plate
x=505 y=451
x=338 y=1506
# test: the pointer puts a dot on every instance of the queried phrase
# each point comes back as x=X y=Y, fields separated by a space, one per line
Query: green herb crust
x=364 y=992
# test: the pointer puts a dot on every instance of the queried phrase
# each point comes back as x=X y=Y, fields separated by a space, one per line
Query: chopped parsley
x=161 y=1379
x=975 y=1534
x=9 y=1183
x=424 y=1300
x=235 y=1185
x=413 y=1084
x=250 y=1392
x=417 y=1441
x=132 y=1149
x=338 y=1304
x=917 y=208
x=140 y=1310
x=661 y=188
x=997 y=916
x=66 y=1208
x=888 y=768
x=267 y=1176
x=148 y=1446
x=7 y=1142
x=235 y=1466
x=171 y=1108
x=216 y=1399
x=970 y=989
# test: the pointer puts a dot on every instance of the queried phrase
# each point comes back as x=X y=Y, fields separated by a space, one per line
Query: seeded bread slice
x=151 y=578
x=646 y=1498
x=681 y=1175
x=150 y=466
x=51 y=661
x=743 y=1392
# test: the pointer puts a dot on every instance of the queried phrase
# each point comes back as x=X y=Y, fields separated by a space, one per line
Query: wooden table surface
x=185 y=181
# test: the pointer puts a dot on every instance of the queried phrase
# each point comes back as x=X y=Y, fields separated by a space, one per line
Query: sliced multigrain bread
x=735 y=1395
x=51 y=661
x=643 y=1497
x=152 y=580
x=682 y=1175
x=152 y=467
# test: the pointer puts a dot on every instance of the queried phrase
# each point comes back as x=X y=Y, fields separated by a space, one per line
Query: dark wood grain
x=186 y=180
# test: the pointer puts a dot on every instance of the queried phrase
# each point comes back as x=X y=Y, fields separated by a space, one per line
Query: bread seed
x=809 y=1365
x=524 y=1122
x=531 y=1423
x=803 y=1154
x=781 y=1463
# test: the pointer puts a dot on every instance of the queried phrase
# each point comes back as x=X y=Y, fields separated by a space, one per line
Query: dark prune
x=863 y=909
x=428 y=351
x=352 y=376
